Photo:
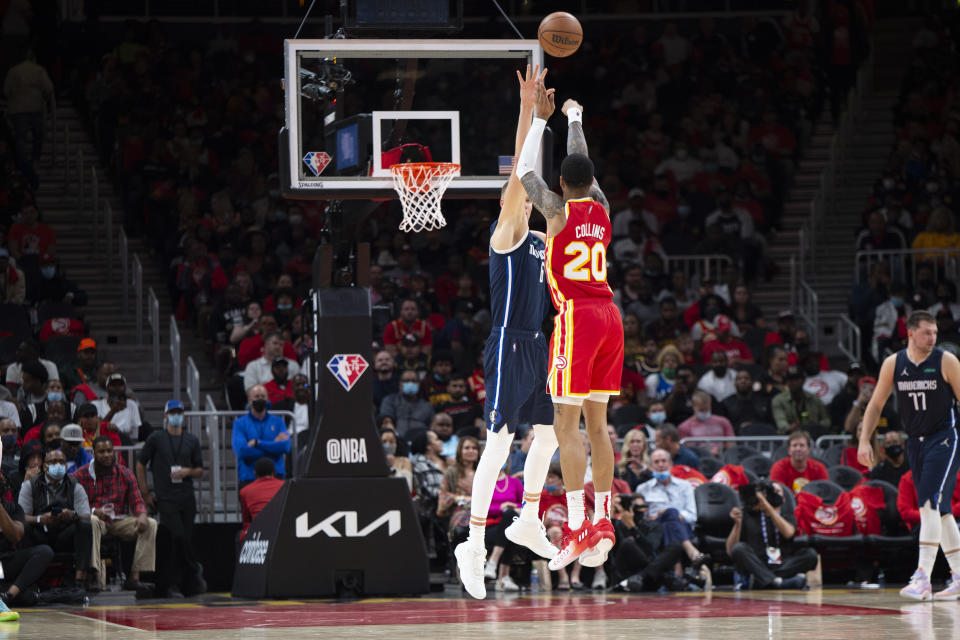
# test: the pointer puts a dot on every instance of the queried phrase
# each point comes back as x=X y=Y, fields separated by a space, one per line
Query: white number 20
x=577 y=269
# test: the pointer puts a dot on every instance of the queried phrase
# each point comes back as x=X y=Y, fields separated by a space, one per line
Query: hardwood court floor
x=807 y=615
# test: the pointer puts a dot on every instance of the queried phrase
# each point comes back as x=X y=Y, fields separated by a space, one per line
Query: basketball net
x=421 y=186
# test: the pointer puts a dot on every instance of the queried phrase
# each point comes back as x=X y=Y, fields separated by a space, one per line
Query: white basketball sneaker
x=531 y=535
x=918 y=588
x=952 y=591
x=470 y=561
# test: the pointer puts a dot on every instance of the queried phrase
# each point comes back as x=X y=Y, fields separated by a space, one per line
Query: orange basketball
x=560 y=34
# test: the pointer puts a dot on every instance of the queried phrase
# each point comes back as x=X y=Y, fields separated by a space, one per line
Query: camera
x=748 y=495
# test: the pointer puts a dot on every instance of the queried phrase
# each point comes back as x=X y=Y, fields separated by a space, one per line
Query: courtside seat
x=758 y=464
x=709 y=466
x=846 y=477
x=837 y=547
x=832 y=455
x=714 y=502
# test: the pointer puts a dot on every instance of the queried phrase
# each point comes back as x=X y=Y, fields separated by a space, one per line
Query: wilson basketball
x=560 y=34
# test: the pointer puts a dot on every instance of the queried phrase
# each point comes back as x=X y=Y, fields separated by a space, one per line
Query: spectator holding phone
x=57 y=513
x=119 y=410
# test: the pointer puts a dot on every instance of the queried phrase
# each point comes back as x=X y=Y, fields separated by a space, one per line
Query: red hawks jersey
x=577 y=256
x=815 y=517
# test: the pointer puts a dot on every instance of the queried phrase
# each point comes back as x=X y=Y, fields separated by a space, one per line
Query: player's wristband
x=574 y=115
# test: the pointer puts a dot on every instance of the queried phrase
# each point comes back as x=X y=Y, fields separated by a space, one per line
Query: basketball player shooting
x=515 y=368
x=587 y=342
x=927 y=382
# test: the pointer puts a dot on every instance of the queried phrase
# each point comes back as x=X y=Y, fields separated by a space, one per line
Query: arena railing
x=124 y=250
x=175 y=346
x=825 y=198
x=153 y=319
x=705 y=264
x=808 y=310
x=849 y=338
x=137 y=284
x=906 y=261
x=763 y=444
x=218 y=488
x=193 y=384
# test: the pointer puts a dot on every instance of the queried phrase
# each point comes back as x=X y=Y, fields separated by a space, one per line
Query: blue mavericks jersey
x=518 y=289
x=924 y=398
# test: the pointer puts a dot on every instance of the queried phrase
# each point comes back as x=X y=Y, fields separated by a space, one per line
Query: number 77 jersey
x=587 y=341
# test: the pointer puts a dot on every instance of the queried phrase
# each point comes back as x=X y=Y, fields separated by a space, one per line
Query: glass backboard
x=355 y=107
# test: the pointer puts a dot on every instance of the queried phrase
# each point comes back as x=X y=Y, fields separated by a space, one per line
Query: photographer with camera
x=759 y=542
x=637 y=564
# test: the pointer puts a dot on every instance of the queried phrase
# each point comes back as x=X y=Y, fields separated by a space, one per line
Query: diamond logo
x=316 y=161
x=347 y=368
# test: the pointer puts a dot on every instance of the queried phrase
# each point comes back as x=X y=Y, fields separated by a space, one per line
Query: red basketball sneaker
x=574 y=543
x=597 y=555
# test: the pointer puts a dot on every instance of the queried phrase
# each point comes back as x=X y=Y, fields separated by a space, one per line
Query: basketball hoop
x=420 y=186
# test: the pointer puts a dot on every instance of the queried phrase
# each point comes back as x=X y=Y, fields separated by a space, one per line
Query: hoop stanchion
x=421 y=186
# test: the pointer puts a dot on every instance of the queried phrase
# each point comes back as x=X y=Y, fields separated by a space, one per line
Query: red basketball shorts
x=586 y=351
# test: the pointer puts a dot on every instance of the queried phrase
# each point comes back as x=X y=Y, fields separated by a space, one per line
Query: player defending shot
x=587 y=342
x=515 y=369
x=927 y=382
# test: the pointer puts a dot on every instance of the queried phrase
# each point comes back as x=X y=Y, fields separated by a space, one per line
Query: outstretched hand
x=568 y=104
x=545 y=102
x=528 y=85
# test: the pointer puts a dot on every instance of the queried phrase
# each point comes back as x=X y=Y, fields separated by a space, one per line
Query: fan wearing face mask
x=893 y=464
x=760 y=541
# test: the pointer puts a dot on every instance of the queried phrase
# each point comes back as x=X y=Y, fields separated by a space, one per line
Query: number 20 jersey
x=576 y=260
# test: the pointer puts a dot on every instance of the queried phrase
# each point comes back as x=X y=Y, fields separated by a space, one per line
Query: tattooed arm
x=577 y=143
x=547 y=202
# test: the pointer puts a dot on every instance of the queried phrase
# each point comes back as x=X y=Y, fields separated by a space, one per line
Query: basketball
x=560 y=34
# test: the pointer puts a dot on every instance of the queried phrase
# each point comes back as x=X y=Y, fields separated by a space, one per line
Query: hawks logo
x=799 y=484
x=347 y=368
x=859 y=509
x=826 y=515
x=560 y=363
x=60 y=326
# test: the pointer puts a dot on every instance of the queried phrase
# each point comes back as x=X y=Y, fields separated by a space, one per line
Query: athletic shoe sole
x=514 y=534
x=597 y=555
x=923 y=597
x=946 y=598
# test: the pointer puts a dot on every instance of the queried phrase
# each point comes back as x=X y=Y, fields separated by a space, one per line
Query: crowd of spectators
x=915 y=204
x=695 y=150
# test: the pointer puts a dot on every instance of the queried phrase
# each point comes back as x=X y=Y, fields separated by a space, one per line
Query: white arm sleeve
x=527 y=161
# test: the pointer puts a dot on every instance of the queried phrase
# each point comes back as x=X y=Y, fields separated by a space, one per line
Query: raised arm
x=577 y=143
x=548 y=203
x=512 y=224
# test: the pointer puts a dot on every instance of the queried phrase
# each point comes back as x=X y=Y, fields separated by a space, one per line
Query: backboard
x=354 y=107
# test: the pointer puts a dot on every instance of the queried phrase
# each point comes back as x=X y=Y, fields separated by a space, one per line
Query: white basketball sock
x=485 y=479
x=930 y=533
x=575 y=509
x=601 y=506
x=950 y=541
x=535 y=470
